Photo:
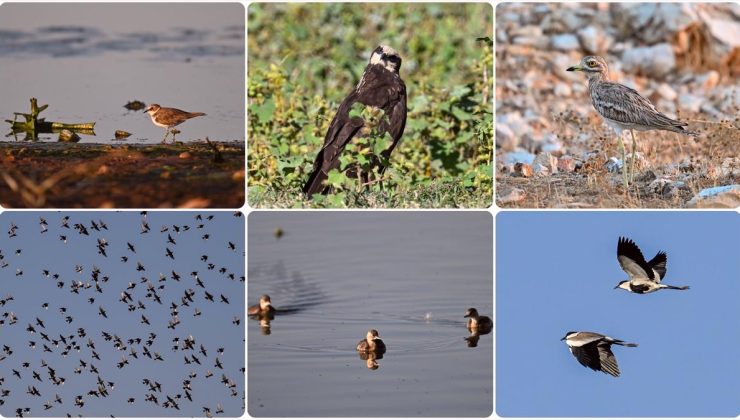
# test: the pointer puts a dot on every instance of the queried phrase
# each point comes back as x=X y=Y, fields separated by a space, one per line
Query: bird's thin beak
x=616 y=287
x=574 y=68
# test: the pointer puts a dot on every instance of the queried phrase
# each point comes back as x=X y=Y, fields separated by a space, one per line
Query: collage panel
x=122 y=314
x=617 y=105
x=370 y=105
x=122 y=105
x=617 y=314
x=388 y=316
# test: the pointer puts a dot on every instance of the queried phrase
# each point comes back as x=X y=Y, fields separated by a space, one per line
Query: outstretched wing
x=631 y=260
x=658 y=263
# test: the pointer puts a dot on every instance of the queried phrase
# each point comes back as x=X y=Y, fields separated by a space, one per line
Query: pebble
x=689 y=102
x=514 y=196
x=613 y=165
x=655 y=61
x=667 y=92
x=562 y=90
x=505 y=138
x=565 y=42
x=724 y=197
x=567 y=164
x=545 y=164
x=518 y=156
x=522 y=170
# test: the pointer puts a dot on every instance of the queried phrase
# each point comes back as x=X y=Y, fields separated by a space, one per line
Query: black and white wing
x=658 y=264
x=631 y=260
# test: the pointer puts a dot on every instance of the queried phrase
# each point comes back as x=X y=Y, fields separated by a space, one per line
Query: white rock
x=545 y=164
x=505 y=138
x=592 y=40
x=513 y=196
x=655 y=61
x=562 y=90
x=725 y=197
x=667 y=92
x=689 y=102
x=565 y=42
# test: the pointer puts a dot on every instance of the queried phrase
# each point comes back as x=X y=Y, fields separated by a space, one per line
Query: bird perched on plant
x=380 y=87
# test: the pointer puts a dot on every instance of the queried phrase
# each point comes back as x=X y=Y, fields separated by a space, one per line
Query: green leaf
x=265 y=111
x=336 y=178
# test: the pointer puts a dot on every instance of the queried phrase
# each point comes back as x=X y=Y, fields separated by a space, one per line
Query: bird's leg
x=166 y=133
x=624 y=162
x=634 y=148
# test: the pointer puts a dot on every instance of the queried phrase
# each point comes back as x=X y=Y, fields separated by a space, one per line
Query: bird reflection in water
x=371 y=349
x=370 y=359
x=264 y=312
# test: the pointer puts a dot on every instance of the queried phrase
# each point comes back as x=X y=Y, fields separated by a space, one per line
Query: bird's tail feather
x=677 y=287
x=315 y=183
x=622 y=343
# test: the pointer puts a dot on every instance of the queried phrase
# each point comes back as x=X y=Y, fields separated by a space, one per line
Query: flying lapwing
x=645 y=276
x=593 y=350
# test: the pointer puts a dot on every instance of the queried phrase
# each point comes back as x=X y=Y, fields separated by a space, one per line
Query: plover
x=593 y=350
x=622 y=108
x=645 y=276
x=169 y=118
x=381 y=87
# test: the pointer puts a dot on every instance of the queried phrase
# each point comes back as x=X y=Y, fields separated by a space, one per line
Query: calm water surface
x=411 y=276
x=88 y=60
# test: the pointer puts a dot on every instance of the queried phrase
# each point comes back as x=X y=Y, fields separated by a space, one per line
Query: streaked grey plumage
x=622 y=107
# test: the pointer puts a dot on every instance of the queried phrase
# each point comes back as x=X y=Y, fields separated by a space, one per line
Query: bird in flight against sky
x=645 y=276
x=381 y=87
x=593 y=350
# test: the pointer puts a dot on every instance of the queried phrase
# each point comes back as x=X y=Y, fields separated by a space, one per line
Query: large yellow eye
x=591 y=63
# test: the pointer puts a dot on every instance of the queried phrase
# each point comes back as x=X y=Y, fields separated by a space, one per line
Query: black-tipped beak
x=616 y=287
x=574 y=68
x=563 y=338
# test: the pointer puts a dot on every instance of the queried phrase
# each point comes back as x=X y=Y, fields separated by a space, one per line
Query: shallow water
x=88 y=60
x=411 y=276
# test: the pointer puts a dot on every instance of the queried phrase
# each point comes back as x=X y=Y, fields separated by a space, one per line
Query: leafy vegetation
x=305 y=58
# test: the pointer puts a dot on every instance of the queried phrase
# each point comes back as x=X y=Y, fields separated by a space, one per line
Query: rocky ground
x=121 y=176
x=552 y=148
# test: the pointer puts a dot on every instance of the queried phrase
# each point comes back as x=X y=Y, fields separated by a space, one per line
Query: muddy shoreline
x=89 y=175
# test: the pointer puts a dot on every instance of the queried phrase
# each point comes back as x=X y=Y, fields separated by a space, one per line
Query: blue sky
x=213 y=328
x=555 y=272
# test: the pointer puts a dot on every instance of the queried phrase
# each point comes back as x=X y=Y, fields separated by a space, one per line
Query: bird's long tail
x=622 y=343
x=677 y=287
x=315 y=183
x=196 y=114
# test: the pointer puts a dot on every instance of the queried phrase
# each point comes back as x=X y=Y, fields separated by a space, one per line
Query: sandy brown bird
x=169 y=118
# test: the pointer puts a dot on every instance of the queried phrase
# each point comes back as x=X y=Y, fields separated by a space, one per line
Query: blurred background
x=305 y=58
x=685 y=58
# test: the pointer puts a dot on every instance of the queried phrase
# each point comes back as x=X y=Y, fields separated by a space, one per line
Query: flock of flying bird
x=593 y=350
x=86 y=344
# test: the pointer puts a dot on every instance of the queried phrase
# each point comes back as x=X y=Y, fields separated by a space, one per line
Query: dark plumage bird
x=478 y=323
x=381 y=87
x=645 y=276
x=593 y=350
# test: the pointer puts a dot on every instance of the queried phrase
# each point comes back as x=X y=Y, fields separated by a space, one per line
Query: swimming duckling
x=263 y=308
x=372 y=343
x=478 y=323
